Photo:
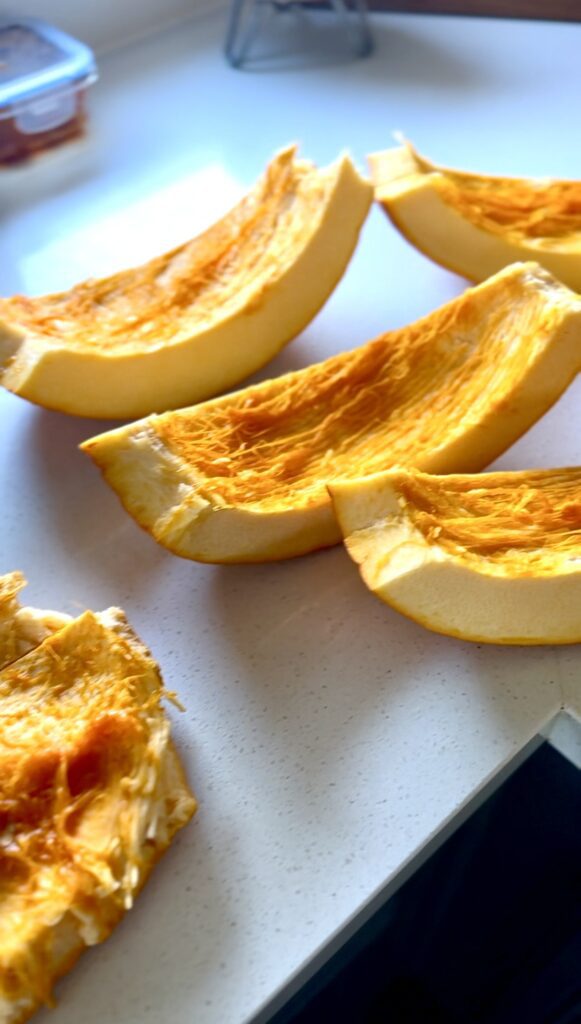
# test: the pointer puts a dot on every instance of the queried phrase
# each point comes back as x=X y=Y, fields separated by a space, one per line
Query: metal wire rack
x=246 y=23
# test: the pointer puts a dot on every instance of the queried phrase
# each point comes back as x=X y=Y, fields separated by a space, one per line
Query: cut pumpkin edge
x=176 y=513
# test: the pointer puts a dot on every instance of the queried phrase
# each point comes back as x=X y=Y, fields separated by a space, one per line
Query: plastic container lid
x=37 y=60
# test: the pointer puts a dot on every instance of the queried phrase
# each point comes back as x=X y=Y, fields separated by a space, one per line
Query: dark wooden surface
x=556 y=10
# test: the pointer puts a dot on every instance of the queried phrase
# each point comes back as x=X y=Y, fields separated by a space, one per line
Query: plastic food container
x=44 y=75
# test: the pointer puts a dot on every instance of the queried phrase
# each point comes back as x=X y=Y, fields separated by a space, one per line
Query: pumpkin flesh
x=91 y=794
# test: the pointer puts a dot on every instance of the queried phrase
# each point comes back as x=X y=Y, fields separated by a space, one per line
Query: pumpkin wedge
x=475 y=224
x=490 y=557
x=197 y=320
x=21 y=629
x=242 y=478
x=91 y=794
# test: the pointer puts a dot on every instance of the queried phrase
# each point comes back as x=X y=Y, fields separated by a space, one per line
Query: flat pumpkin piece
x=91 y=794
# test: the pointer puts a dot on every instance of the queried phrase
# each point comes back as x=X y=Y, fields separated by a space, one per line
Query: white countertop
x=327 y=738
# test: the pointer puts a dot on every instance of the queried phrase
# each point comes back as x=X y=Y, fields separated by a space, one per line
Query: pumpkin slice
x=475 y=224
x=490 y=557
x=242 y=478
x=21 y=629
x=91 y=794
x=196 y=320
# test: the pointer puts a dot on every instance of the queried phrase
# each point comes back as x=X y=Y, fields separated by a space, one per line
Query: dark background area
x=556 y=10
x=487 y=931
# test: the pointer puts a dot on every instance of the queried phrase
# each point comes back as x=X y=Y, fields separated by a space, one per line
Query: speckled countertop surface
x=327 y=738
